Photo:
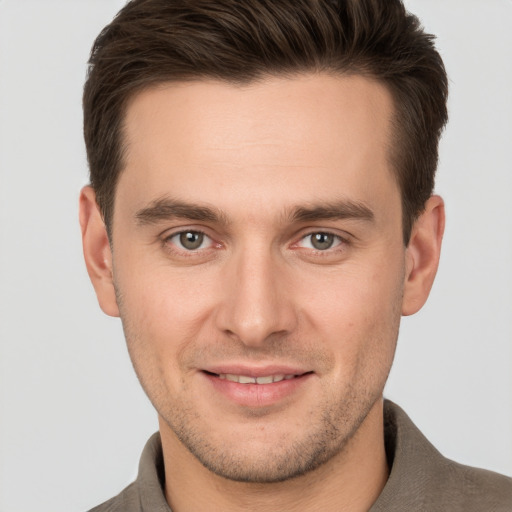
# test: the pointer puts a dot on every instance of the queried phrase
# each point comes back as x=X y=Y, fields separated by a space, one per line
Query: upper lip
x=255 y=371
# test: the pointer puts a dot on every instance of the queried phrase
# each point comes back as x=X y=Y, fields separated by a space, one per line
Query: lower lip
x=257 y=395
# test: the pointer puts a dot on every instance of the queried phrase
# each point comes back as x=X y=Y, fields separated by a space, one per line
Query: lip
x=255 y=371
x=256 y=395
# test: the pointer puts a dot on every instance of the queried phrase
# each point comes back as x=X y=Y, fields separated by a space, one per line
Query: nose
x=257 y=303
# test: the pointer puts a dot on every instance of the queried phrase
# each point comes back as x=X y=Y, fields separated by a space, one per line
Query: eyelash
x=174 y=248
x=340 y=244
x=337 y=241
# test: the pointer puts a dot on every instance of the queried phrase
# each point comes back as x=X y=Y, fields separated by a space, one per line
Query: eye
x=190 y=240
x=320 y=241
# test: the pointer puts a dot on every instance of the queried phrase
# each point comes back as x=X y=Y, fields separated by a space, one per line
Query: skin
x=259 y=170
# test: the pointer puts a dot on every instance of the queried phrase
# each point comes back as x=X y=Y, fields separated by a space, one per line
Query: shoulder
x=127 y=500
x=421 y=479
x=471 y=488
x=146 y=493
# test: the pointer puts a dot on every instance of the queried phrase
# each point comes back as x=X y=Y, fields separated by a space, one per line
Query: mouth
x=258 y=388
x=262 y=380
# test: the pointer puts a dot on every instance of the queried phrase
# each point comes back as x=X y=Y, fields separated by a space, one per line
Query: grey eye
x=322 y=241
x=191 y=240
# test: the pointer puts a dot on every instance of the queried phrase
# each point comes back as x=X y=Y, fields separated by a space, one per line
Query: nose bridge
x=256 y=304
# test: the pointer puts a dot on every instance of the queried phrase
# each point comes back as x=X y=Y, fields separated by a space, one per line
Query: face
x=259 y=266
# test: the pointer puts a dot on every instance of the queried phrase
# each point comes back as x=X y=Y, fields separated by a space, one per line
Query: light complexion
x=257 y=236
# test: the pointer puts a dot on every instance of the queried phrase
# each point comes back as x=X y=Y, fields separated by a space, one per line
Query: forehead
x=308 y=135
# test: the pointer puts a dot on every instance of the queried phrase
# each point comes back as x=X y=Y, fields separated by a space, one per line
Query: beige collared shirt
x=421 y=479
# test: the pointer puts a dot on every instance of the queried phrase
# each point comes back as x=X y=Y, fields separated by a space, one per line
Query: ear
x=97 y=252
x=422 y=255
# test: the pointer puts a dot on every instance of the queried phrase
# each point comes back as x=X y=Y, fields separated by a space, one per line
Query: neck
x=351 y=480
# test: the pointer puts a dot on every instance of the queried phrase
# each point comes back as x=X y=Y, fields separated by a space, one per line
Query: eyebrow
x=167 y=208
x=338 y=210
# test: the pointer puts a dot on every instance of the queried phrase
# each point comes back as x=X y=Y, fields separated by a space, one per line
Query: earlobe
x=422 y=255
x=97 y=252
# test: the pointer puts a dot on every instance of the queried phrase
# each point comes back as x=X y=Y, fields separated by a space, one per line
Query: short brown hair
x=155 y=41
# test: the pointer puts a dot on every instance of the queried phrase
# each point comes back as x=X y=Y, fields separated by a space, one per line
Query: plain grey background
x=73 y=418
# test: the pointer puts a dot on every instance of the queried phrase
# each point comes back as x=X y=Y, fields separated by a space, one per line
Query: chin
x=244 y=454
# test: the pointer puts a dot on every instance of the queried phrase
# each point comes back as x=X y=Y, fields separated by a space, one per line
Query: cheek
x=357 y=314
x=353 y=297
x=159 y=322
x=164 y=309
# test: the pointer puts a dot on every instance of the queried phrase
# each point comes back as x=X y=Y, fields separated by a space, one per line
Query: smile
x=245 y=379
x=257 y=387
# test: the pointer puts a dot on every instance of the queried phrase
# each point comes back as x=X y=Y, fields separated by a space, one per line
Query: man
x=260 y=216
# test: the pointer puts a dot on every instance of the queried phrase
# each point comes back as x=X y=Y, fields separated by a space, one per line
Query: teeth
x=244 y=379
x=264 y=380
